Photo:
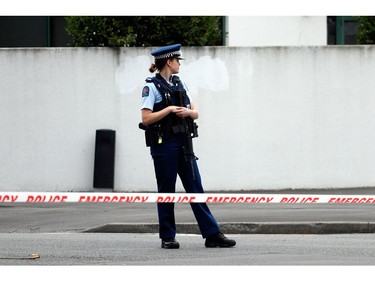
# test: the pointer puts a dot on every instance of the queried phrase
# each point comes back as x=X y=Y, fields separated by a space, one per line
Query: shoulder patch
x=145 y=91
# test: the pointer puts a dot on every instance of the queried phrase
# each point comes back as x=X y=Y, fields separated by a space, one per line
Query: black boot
x=170 y=243
x=219 y=240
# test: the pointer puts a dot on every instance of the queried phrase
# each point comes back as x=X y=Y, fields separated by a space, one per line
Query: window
x=342 y=30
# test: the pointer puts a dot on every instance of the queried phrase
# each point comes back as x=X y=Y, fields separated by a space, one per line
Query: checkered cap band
x=169 y=55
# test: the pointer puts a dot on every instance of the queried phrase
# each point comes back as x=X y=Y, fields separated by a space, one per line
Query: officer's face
x=175 y=65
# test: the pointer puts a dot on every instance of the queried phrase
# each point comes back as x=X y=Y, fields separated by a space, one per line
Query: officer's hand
x=181 y=111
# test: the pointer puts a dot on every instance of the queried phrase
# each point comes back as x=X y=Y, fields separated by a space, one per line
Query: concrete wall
x=270 y=118
x=276 y=30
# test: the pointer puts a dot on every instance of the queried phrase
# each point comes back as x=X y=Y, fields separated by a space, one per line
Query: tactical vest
x=170 y=125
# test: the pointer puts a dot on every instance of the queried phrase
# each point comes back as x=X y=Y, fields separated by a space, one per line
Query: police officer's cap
x=166 y=52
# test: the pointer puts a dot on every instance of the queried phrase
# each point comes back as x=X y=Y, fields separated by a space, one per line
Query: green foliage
x=366 y=30
x=137 y=31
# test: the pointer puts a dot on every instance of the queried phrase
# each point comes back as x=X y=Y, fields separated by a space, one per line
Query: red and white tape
x=102 y=197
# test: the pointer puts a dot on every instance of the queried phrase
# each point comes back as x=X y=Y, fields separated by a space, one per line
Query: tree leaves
x=138 y=31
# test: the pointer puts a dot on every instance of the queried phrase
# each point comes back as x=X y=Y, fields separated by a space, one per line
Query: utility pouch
x=179 y=129
x=194 y=130
x=152 y=134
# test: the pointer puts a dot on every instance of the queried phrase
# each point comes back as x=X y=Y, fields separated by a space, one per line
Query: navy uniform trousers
x=169 y=161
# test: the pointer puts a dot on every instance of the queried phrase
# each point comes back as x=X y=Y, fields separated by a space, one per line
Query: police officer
x=168 y=115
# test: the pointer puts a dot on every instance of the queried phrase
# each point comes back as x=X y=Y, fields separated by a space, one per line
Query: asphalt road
x=125 y=249
x=92 y=236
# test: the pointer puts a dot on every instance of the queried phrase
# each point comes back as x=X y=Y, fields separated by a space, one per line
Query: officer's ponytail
x=153 y=68
x=158 y=65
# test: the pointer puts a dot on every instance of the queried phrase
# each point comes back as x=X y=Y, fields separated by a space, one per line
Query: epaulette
x=148 y=79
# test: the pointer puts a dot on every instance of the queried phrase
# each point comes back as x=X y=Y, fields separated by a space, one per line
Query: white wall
x=276 y=30
x=270 y=118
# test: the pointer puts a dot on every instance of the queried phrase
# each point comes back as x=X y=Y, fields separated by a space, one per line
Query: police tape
x=103 y=197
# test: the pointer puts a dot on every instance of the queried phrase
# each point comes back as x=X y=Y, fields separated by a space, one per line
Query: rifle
x=189 y=128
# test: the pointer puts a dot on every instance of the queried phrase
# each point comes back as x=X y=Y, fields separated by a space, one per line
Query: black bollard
x=104 y=165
